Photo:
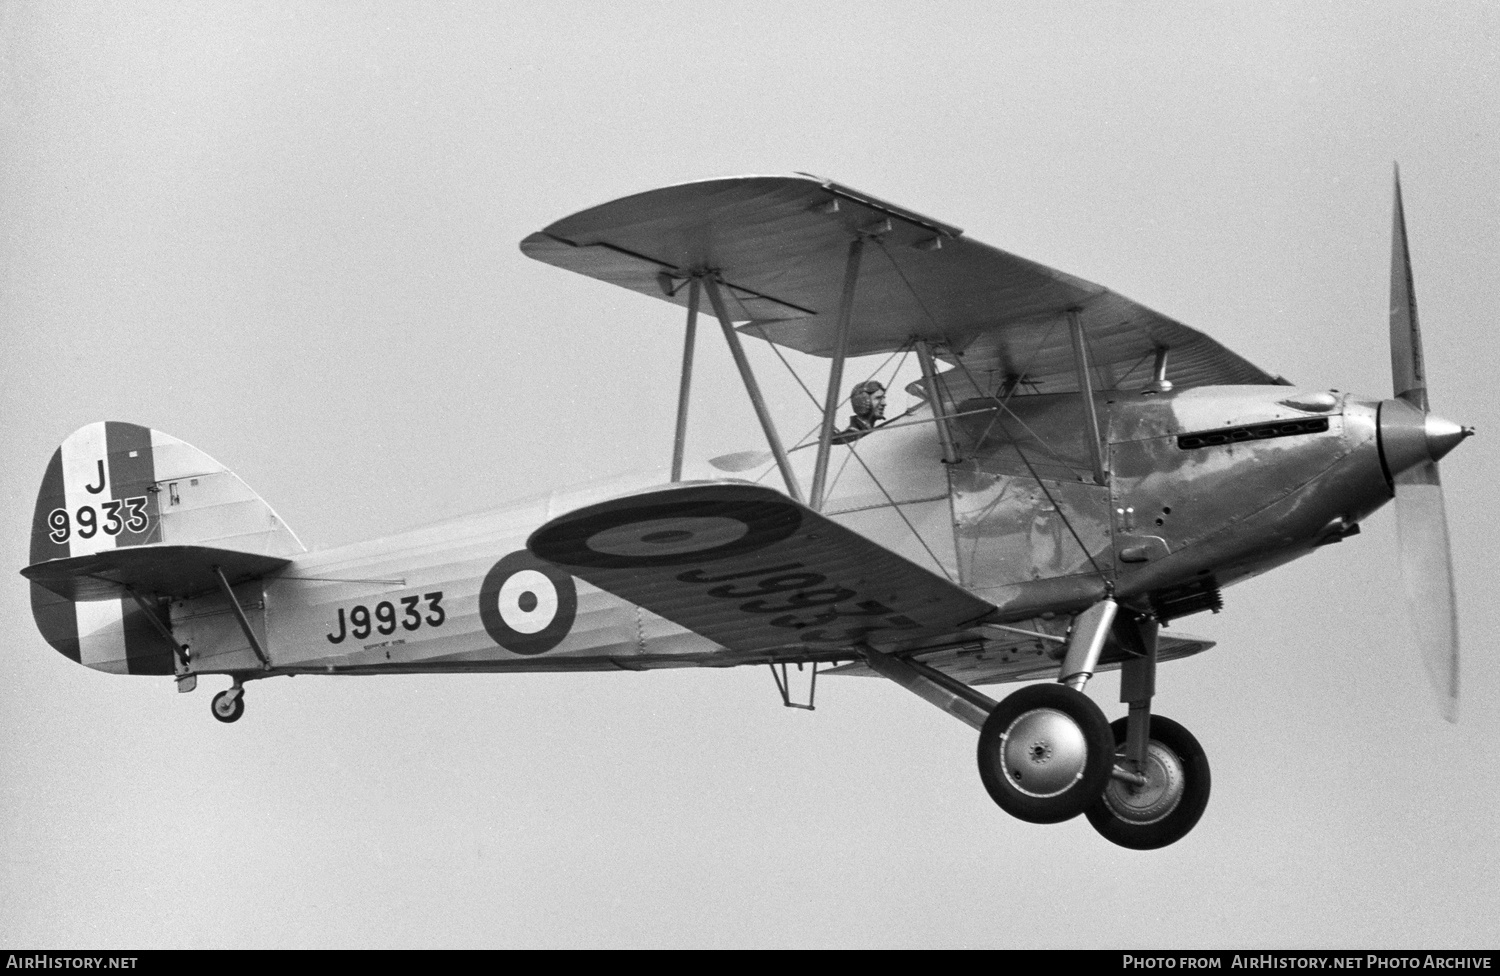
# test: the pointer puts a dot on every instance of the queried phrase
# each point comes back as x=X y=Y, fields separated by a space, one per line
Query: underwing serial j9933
x=1077 y=471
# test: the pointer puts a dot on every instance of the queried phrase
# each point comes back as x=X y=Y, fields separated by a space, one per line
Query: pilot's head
x=868 y=400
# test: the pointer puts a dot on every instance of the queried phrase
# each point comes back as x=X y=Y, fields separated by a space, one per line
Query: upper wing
x=752 y=570
x=781 y=243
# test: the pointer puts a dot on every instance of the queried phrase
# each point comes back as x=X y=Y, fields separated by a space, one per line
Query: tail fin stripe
x=101 y=634
x=53 y=614
x=146 y=650
x=50 y=499
x=81 y=455
x=132 y=476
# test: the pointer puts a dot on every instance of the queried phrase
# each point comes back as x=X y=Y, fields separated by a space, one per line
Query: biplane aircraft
x=1078 y=471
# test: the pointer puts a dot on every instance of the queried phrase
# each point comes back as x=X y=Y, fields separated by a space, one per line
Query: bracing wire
x=1133 y=367
x=777 y=349
x=1036 y=350
x=907 y=282
x=805 y=438
x=1043 y=486
x=938 y=562
x=1003 y=408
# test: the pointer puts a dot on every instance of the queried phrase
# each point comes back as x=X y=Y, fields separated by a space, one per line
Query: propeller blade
x=1427 y=578
x=1408 y=371
x=1426 y=557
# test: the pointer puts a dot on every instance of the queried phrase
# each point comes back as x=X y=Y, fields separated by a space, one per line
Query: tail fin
x=112 y=485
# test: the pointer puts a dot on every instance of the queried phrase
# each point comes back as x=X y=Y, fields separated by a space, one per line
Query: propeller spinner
x=1412 y=442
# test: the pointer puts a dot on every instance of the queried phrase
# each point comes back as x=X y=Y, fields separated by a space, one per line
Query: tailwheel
x=229 y=705
x=1161 y=812
x=1045 y=753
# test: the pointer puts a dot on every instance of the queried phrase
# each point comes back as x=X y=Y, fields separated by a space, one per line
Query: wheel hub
x=1158 y=798
x=1043 y=752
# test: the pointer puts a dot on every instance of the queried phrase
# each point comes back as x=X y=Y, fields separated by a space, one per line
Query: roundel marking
x=528 y=601
x=667 y=535
x=527 y=605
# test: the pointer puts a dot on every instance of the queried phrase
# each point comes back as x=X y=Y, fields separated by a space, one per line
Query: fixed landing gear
x=1160 y=811
x=1045 y=753
x=229 y=705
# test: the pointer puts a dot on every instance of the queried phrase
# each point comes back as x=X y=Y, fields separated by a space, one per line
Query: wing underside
x=179 y=572
x=1015 y=657
x=780 y=245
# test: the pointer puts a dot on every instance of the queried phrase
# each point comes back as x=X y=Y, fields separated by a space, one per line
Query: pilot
x=868 y=401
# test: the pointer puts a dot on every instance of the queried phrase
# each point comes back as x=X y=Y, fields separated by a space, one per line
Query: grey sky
x=286 y=233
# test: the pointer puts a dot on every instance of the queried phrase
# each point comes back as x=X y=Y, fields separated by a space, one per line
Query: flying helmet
x=860 y=398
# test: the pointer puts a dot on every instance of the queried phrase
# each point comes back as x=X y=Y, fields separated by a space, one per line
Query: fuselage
x=1204 y=487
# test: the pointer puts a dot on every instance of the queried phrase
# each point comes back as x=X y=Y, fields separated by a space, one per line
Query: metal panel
x=210 y=629
x=200 y=501
x=1184 y=495
x=1016 y=534
x=1010 y=532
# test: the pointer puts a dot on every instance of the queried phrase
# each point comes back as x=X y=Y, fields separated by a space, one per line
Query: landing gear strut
x=1045 y=753
x=1160 y=783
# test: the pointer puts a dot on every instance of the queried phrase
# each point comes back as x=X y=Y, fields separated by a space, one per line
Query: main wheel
x=1045 y=753
x=1162 y=812
x=227 y=709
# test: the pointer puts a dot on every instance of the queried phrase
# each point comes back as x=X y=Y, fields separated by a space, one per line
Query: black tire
x=1172 y=825
x=1040 y=769
x=233 y=712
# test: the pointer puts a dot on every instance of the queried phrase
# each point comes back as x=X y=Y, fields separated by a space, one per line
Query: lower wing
x=752 y=570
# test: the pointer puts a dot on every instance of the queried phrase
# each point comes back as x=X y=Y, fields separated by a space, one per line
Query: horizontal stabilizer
x=752 y=570
x=163 y=570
